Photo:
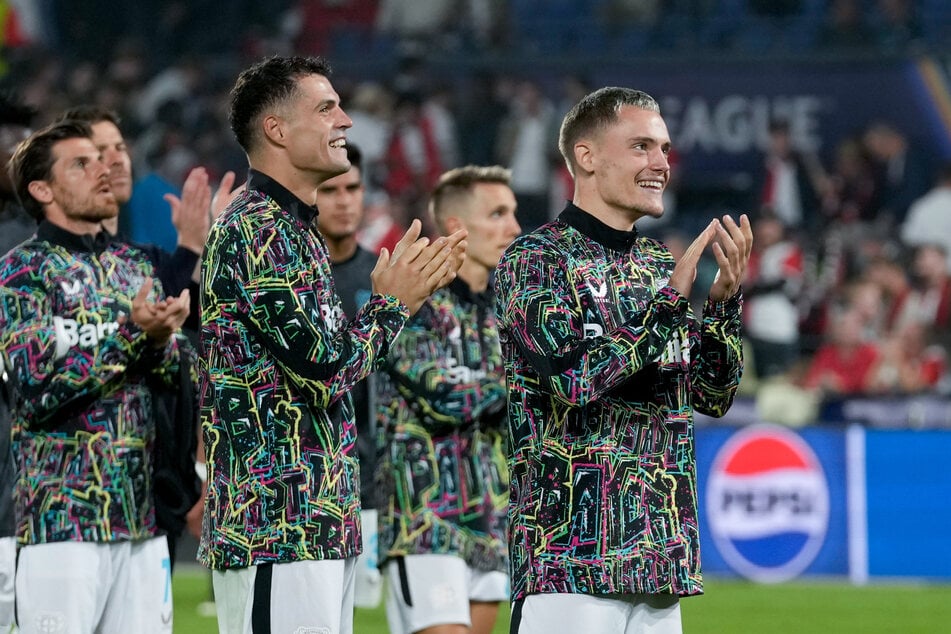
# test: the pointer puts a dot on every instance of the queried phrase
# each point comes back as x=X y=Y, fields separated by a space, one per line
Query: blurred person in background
x=844 y=364
x=414 y=160
x=340 y=206
x=928 y=300
x=850 y=193
x=771 y=290
x=929 y=217
x=16 y=120
x=791 y=179
x=526 y=145
x=902 y=173
x=442 y=406
x=908 y=362
x=87 y=341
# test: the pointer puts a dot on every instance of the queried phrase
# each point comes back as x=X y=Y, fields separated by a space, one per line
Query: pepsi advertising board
x=772 y=502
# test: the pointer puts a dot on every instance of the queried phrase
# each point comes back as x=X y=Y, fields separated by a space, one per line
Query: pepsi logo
x=767 y=503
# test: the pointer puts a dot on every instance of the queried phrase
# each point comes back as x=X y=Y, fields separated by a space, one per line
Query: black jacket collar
x=461 y=289
x=86 y=242
x=290 y=203
x=608 y=237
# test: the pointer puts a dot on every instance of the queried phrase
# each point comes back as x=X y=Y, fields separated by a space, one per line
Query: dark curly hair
x=265 y=84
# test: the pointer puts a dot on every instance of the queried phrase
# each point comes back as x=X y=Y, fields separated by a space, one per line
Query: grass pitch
x=728 y=607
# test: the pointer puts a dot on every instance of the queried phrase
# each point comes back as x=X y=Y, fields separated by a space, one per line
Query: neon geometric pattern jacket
x=278 y=362
x=605 y=365
x=442 y=411
x=83 y=375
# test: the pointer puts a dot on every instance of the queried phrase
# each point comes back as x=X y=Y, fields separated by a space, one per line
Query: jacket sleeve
x=438 y=384
x=538 y=310
x=717 y=369
x=275 y=282
x=50 y=373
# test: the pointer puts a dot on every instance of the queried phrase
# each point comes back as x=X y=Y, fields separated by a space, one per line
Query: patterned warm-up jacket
x=278 y=362
x=442 y=411
x=605 y=365
x=83 y=376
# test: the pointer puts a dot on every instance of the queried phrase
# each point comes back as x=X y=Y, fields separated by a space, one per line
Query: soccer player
x=85 y=347
x=605 y=364
x=282 y=514
x=442 y=403
x=340 y=201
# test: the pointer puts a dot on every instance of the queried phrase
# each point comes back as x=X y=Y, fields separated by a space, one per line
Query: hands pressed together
x=732 y=244
x=158 y=320
x=417 y=267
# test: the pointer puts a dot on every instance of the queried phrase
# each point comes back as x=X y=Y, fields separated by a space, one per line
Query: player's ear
x=452 y=224
x=41 y=191
x=584 y=156
x=274 y=129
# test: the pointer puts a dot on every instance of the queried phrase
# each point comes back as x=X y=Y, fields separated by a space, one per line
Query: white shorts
x=8 y=567
x=300 y=596
x=86 y=587
x=368 y=586
x=427 y=590
x=621 y=613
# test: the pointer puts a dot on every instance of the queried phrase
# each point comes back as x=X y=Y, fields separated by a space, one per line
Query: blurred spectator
x=483 y=109
x=903 y=175
x=414 y=160
x=890 y=276
x=850 y=193
x=928 y=300
x=791 y=179
x=867 y=298
x=324 y=21
x=774 y=279
x=370 y=108
x=824 y=267
x=929 y=217
x=16 y=225
x=416 y=20
x=845 y=27
x=908 y=363
x=843 y=365
x=526 y=144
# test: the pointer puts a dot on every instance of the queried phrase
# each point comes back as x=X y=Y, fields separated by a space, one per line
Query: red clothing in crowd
x=840 y=370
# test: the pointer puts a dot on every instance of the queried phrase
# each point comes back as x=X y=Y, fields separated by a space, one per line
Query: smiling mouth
x=339 y=143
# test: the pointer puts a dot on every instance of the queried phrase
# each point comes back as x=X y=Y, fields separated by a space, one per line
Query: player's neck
x=614 y=217
x=342 y=249
x=474 y=275
x=111 y=225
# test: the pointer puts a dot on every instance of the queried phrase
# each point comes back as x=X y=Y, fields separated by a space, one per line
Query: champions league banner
x=718 y=113
x=776 y=503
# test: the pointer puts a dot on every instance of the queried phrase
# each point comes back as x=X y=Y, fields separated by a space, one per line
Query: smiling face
x=628 y=161
x=108 y=140
x=314 y=129
x=77 y=195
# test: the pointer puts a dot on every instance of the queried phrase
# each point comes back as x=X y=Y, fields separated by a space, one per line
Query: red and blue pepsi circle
x=767 y=503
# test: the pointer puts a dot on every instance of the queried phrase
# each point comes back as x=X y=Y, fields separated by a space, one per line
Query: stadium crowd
x=846 y=237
